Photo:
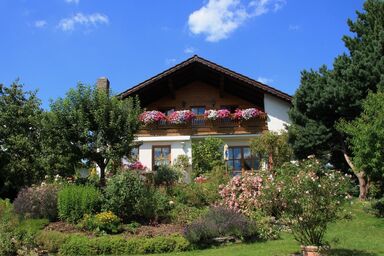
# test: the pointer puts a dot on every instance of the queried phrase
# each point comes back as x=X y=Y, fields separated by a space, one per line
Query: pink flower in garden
x=200 y=179
x=136 y=166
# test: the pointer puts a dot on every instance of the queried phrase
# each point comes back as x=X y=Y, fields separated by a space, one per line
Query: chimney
x=103 y=84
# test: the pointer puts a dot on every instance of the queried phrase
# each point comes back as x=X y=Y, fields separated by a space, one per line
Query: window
x=198 y=110
x=167 y=111
x=134 y=155
x=161 y=155
x=240 y=159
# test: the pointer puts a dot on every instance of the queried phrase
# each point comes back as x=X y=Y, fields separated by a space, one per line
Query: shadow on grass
x=348 y=252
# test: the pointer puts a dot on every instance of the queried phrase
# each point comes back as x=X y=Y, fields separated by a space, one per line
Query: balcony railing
x=201 y=125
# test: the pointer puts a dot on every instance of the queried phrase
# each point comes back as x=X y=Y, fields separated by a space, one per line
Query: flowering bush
x=150 y=117
x=101 y=222
x=212 y=114
x=181 y=117
x=136 y=166
x=313 y=198
x=242 y=193
x=247 y=114
x=200 y=179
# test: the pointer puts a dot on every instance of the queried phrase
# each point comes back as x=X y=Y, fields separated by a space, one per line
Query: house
x=197 y=86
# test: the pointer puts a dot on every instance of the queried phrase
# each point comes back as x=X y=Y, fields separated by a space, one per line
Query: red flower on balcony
x=248 y=113
x=213 y=114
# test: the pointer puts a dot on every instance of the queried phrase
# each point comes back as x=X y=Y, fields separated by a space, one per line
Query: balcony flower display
x=248 y=113
x=150 y=117
x=213 y=114
x=181 y=117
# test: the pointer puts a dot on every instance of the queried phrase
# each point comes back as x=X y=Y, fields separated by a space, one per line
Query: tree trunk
x=102 y=174
x=361 y=176
x=270 y=163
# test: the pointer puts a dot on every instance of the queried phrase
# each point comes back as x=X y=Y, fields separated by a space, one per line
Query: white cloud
x=170 y=61
x=40 y=23
x=72 y=1
x=217 y=19
x=189 y=50
x=69 y=24
x=264 y=80
x=293 y=27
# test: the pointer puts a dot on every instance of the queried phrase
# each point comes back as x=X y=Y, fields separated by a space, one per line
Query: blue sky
x=52 y=45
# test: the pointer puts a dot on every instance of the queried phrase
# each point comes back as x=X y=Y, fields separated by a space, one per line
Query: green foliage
x=8 y=223
x=154 y=205
x=184 y=214
x=20 y=115
x=37 y=202
x=51 y=240
x=207 y=153
x=165 y=175
x=220 y=222
x=122 y=194
x=75 y=201
x=378 y=207
x=313 y=198
x=107 y=245
x=106 y=222
x=89 y=124
x=325 y=96
x=367 y=137
x=274 y=146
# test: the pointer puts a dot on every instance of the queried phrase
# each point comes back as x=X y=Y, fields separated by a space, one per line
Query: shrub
x=378 y=207
x=313 y=198
x=184 y=214
x=51 y=240
x=207 y=154
x=165 y=175
x=102 y=222
x=106 y=245
x=122 y=194
x=154 y=205
x=219 y=222
x=37 y=202
x=242 y=193
x=8 y=223
x=75 y=201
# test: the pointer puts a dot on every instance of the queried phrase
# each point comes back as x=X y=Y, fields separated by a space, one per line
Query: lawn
x=363 y=235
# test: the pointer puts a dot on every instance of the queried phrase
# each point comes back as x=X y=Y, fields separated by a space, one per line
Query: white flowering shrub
x=313 y=197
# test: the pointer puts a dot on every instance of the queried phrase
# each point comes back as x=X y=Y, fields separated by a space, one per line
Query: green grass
x=363 y=235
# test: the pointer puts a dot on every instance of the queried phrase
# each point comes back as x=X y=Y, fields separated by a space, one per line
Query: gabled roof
x=210 y=65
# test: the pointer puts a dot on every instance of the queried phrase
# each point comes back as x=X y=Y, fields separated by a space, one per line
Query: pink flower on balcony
x=181 y=117
x=248 y=113
x=213 y=114
x=149 y=117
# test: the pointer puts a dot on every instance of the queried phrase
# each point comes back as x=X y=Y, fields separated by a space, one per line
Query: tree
x=367 y=137
x=273 y=146
x=326 y=96
x=20 y=114
x=90 y=126
x=207 y=154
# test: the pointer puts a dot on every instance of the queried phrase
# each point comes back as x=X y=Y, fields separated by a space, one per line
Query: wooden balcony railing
x=200 y=125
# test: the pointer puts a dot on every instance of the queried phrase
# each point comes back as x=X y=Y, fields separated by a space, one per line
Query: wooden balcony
x=200 y=125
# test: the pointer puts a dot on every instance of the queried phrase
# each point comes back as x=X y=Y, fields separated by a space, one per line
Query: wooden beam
x=221 y=86
x=171 y=88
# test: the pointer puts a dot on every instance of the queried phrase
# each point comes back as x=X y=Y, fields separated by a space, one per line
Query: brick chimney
x=103 y=84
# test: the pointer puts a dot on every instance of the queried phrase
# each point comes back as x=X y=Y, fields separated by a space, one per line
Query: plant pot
x=310 y=250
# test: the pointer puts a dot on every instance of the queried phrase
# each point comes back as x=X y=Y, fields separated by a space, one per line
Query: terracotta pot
x=310 y=250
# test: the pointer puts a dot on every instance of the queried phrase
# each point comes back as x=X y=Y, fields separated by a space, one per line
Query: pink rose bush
x=242 y=193
x=136 y=166
x=150 y=117
x=181 y=117
x=200 y=179
x=213 y=114
x=248 y=113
